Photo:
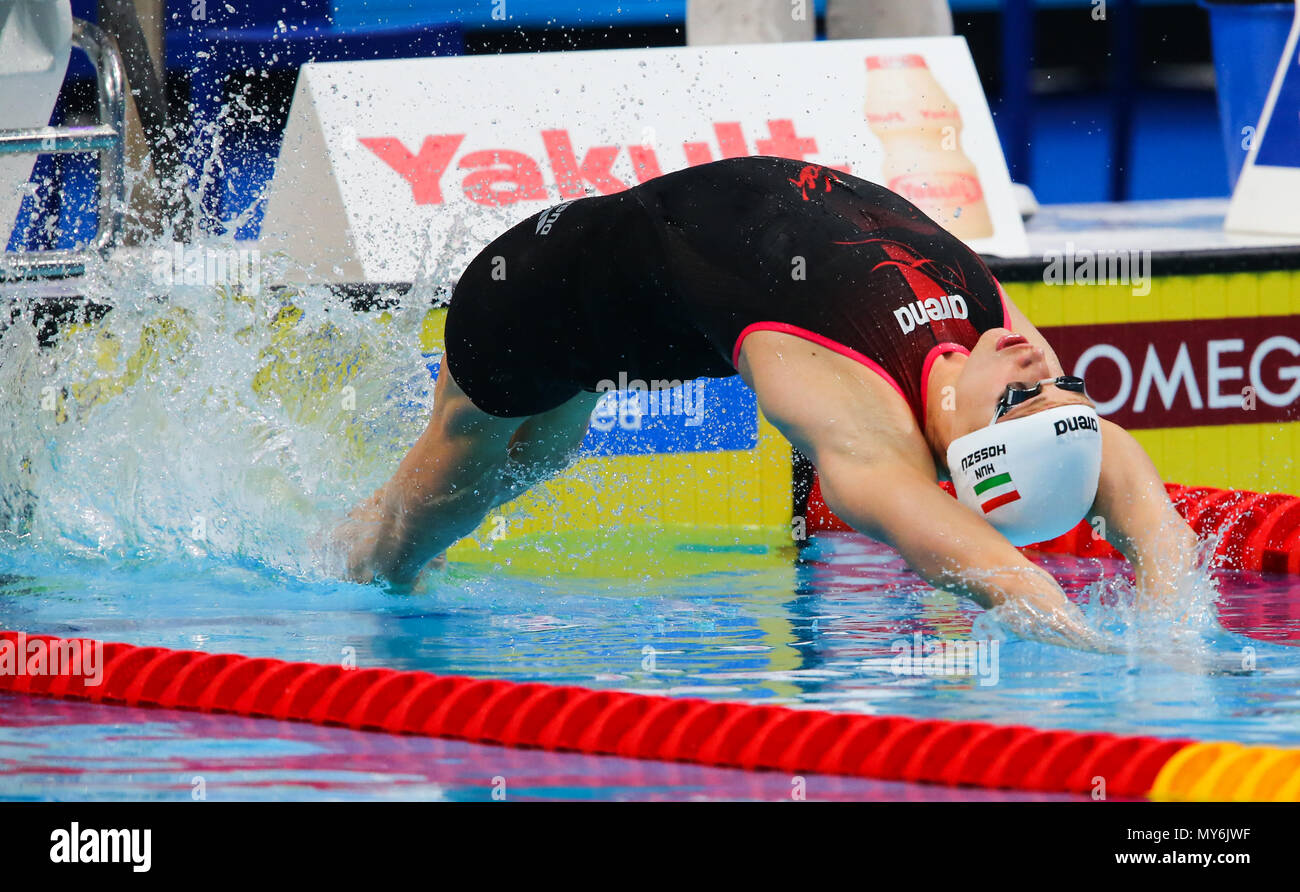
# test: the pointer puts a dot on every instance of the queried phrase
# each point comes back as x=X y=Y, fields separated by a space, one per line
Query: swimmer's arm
x=1138 y=517
x=877 y=474
x=952 y=548
x=1140 y=520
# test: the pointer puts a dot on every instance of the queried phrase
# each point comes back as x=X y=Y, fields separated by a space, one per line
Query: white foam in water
x=1182 y=633
x=235 y=439
x=196 y=421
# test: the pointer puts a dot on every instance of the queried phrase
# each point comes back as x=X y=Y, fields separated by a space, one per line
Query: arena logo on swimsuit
x=934 y=309
x=549 y=216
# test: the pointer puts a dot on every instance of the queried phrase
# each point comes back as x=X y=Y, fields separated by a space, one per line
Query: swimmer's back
x=772 y=239
x=564 y=300
x=661 y=281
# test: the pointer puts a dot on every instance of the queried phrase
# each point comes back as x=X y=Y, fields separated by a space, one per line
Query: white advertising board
x=384 y=162
x=1267 y=197
x=35 y=43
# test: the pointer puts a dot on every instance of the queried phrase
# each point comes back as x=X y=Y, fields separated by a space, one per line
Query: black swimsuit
x=665 y=280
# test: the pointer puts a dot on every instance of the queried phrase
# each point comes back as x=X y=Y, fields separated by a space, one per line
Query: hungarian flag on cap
x=996 y=491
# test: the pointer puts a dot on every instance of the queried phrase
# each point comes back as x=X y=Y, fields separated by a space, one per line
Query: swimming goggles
x=1015 y=394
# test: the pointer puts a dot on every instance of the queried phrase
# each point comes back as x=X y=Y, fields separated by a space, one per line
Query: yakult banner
x=391 y=167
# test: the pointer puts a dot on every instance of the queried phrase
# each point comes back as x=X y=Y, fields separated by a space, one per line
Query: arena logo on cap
x=1077 y=423
x=934 y=309
x=996 y=490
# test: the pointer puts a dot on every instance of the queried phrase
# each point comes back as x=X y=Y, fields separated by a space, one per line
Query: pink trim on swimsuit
x=820 y=340
x=935 y=352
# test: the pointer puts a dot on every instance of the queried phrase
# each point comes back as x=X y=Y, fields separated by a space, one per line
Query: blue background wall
x=1169 y=143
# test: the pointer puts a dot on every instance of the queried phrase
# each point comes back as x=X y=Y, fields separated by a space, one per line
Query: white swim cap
x=1033 y=478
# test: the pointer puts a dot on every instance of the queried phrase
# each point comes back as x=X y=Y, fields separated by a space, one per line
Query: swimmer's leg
x=545 y=445
x=440 y=492
x=464 y=464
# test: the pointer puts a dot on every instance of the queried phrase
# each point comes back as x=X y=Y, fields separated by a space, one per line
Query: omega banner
x=392 y=168
x=1241 y=370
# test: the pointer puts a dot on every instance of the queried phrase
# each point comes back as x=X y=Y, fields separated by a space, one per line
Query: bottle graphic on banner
x=920 y=128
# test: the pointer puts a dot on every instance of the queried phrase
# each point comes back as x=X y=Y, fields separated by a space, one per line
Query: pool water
x=168 y=471
x=821 y=633
x=57 y=750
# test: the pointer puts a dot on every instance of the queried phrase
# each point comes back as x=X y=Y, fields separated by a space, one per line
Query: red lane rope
x=1257 y=531
x=602 y=722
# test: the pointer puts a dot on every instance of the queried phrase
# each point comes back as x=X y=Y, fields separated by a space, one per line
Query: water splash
x=1181 y=632
x=200 y=421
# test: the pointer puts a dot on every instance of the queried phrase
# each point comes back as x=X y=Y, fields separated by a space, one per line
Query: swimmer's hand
x=951 y=547
x=1141 y=522
x=1049 y=617
x=1174 y=639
